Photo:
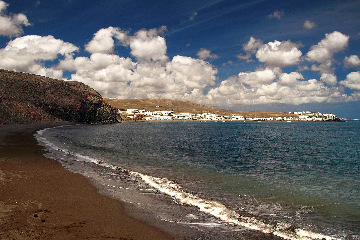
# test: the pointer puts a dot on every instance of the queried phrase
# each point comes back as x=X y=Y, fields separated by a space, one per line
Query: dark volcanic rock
x=27 y=98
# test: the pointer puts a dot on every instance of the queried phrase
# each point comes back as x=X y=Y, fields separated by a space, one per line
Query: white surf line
x=220 y=211
x=213 y=208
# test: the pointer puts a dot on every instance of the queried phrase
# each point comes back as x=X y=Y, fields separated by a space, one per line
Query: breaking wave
x=181 y=196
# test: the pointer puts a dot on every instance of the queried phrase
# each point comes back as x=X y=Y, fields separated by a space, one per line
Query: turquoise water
x=298 y=175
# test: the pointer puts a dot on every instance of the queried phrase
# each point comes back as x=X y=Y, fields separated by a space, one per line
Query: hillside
x=28 y=98
x=182 y=106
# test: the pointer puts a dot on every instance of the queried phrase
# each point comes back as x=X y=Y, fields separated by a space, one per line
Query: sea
x=294 y=180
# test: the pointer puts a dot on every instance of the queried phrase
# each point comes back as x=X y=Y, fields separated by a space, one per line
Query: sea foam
x=180 y=196
x=221 y=212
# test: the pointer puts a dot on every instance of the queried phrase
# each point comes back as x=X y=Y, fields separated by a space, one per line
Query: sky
x=261 y=55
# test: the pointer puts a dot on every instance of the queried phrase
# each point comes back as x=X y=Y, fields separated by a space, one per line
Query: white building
x=132 y=111
x=237 y=118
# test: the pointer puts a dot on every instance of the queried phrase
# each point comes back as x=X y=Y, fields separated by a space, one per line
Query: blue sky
x=240 y=55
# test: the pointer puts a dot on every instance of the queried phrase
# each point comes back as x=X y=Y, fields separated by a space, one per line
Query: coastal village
x=144 y=115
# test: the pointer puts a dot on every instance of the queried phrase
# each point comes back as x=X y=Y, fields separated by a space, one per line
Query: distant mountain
x=28 y=98
x=183 y=106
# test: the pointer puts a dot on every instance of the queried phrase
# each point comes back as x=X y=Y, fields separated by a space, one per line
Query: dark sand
x=39 y=199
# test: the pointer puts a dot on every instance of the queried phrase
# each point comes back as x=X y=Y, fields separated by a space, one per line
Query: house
x=237 y=118
x=132 y=111
x=137 y=114
x=182 y=116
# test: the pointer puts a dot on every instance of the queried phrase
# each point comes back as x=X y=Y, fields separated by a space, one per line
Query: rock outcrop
x=28 y=98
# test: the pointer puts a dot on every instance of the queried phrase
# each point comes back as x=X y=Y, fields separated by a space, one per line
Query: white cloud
x=250 y=48
x=205 y=54
x=103 y=41
x=28 y=53
x=323 y=52
x=352 y=62
x=309 y=24
x=302 y=68
x=252 y=45
x=325 y=67
x=153 y=75
x=246 y=57
x=290 y=79
x=43 y=71
x=3 y=6
x=193 y=73
x=329 y=78
x=285 y=89
x=147 y=45
x=107 y=73
x=11 y=25
x=332 y=43
x=279 y=54
x=114 y=76
x=100 y=67
x=258 y=77
x=276 y=14
x=352 y=81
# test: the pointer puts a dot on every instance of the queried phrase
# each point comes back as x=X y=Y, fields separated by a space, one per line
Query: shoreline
x=40 y=199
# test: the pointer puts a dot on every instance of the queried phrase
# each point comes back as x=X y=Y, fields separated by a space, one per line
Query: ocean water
x=298 y=180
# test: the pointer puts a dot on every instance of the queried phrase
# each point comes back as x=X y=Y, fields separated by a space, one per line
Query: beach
x=102 y=184
x=39 y=199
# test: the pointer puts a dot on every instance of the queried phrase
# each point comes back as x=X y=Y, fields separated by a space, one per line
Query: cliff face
x=27 y=98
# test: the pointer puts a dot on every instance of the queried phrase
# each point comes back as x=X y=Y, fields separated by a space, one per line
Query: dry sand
x=39 y=199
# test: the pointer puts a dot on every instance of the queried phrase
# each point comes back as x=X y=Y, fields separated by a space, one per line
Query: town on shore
x=144 y=115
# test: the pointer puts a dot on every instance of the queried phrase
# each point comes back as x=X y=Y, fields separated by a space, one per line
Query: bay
x=299 y=179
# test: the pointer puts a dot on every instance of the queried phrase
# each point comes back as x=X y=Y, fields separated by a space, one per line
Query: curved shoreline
x=42 y=200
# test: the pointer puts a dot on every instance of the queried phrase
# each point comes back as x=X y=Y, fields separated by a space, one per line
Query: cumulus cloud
x=290 y=79
x=274 y=54
x=205 y=54
x=28 y=53
x=151 y=76
x=352 y=62
x=103 y=41
x=280 y=88
x=309 y=24
x=147 y=45
x=258 y=77
x=328 y=78
x=279 y=54
x=100 y=67
x=193 y=73
x=114 y=76
x=149 y=73
x=276 y=14
x=11 y=25
x=332 y=43
x=252 y=45
x=323 y=52
x=352 y=81
x=250 y=48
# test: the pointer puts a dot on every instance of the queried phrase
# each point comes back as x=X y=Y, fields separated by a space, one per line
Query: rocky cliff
x=28 y=98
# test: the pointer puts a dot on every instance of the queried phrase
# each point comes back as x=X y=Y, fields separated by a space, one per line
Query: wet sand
x=39 y=199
